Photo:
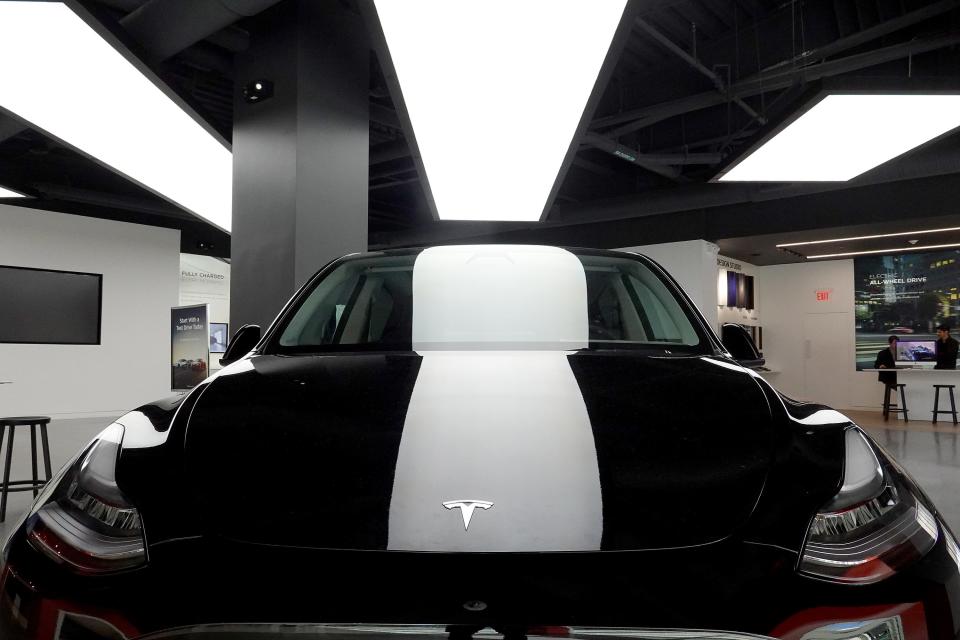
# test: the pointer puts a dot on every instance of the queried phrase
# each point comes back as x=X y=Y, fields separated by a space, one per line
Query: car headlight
x=83 y=520
x=871 y=528
x=884 y=629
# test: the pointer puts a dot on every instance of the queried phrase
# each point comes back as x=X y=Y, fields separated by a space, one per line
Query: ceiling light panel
x=495 y=91
x=873 y=237
x=63 y=78
x=843 y=136
x=6 y=193
x=891 y=251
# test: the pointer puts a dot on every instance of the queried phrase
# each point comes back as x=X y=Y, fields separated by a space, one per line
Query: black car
x=483 y=441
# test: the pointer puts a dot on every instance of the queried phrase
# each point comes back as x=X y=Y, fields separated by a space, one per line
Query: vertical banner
x=189 y=346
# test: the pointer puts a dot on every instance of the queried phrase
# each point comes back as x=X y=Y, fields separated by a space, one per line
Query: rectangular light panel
x=59 y=75
x=495 y=91
x=873 y=237
x=7 y=193
x=845 y=135
x=891 y=251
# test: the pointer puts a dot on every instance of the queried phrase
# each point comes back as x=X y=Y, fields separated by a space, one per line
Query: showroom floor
x=929 y=453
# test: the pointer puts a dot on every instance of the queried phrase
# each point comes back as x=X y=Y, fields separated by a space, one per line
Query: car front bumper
x=200 y=585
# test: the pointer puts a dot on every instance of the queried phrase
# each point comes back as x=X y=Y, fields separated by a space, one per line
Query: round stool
x=936 y=402
x=891 y=407
x=24 y=485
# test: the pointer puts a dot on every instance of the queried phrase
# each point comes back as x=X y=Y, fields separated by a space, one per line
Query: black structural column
x=300 y=157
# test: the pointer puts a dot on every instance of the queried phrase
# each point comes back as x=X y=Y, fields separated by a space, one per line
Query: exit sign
x=823 y=295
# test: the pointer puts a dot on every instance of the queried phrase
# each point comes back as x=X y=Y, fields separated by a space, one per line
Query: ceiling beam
x=636 y=119
x=866 y=35
x=394 y=183
x=10 y=127
x=931 y=166
x=385 y=116
x=594 y=167
x=112 y=200
x=166 y=27
x=635 y=157
x=387 y=151
x=922 y=198
x=625 y=153
x=710 y=74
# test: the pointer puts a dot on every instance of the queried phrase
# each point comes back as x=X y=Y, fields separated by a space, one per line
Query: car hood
x=479 y=451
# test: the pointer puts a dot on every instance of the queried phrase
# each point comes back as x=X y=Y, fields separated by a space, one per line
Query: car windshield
x=489 y=297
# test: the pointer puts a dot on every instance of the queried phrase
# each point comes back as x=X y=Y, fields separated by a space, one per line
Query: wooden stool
x=889 y=407
x=24 y=485
x=936 y=402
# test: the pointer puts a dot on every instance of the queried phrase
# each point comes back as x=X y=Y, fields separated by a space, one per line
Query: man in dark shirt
x=946 y=348
x=887 y=359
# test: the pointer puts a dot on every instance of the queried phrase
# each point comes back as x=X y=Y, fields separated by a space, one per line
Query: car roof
x=406 y=251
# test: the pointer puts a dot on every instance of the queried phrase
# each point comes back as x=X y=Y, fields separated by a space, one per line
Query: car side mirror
x=741 y=346
x=245 y=339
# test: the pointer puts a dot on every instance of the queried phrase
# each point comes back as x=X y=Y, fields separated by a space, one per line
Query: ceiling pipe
x=642 y=117
x=167 y=27
x=866 y=35
x=712 y=75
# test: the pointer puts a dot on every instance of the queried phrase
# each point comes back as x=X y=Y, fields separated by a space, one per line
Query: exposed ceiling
x=694 y=83
x=763 y=249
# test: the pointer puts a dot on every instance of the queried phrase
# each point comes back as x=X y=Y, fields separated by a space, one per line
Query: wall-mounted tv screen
x=907 y=295
x=916 y=351
x=41 y=306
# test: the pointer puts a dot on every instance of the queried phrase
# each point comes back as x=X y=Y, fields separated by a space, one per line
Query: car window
x=490 y=298
x=363 y=302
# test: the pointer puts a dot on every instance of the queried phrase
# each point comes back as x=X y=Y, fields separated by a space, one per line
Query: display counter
x=920 y=392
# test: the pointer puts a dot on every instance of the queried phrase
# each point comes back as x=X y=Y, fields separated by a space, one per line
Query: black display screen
x=40 y=306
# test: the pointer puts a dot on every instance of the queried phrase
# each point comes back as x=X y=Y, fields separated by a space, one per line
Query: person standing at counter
x=887 y=359
x=946 y=348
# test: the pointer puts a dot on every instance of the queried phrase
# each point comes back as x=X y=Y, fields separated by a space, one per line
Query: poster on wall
x=189 y=344
x=907 y=296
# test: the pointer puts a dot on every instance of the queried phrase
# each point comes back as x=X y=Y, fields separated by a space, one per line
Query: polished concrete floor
x=928 y=452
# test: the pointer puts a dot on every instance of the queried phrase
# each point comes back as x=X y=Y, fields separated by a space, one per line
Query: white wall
x=808 y=343
x=131 y=366
x=693 y=263
x=814 y=364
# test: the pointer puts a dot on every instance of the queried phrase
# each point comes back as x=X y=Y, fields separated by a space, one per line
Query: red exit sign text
x=823 y=295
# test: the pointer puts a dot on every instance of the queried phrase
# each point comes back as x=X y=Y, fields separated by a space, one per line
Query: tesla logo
x=466 y=508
